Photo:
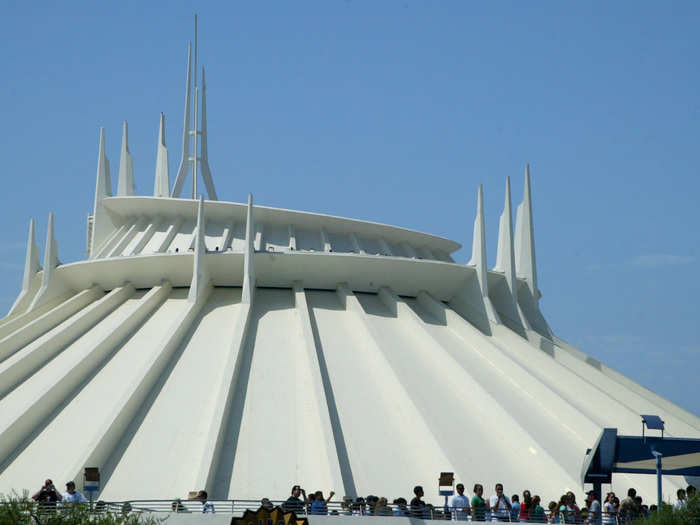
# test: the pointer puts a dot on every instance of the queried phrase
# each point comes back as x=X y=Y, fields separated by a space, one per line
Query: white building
x=243 y=349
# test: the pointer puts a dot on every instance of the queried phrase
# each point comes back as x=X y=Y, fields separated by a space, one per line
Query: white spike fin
x=505 y=260
x=479 y=244
x=102 y=223
x=51 y=285
x=204 y=163
x=125 y=184
x=184 y=168
x=249 y=256
x=200 y=272
x=31 y=268
x=525 y=265
x=161 y=187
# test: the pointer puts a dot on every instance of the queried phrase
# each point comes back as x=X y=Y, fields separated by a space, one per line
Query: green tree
x=689 y=515
x=21 y=510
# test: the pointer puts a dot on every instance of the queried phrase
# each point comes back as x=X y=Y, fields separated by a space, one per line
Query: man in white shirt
x=500 y=505
x=459 y=504
x=71 y=495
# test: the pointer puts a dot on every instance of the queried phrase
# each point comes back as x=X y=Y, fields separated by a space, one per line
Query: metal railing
x=334 y=508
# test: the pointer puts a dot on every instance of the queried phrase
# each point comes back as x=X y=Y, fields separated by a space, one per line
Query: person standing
x=609 y=510
x=479 y=506
x=71 y=495
x=593 y=508
x=417 y=504
x=459 y=504
x=47 y=495
x=294 y=503
x=500 y=505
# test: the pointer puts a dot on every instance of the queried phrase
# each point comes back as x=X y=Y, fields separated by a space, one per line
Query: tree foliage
x=21 y=510
x=688 y=515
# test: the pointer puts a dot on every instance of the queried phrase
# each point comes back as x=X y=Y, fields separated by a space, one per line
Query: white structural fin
x=200 y=272
x=125 y=184
x=478 y=259
x=102 y=224
x=204 y=161
x=525 y=266
x=31 y=268
x=184 y=168
x=249 y=255
x=51 y=286
x=505 y=258
x=161 y=187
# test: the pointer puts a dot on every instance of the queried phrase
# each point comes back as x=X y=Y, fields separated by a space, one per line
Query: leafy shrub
x=690 y=515
x=21 y=510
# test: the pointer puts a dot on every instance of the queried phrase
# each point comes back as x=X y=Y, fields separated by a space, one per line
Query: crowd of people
x=498 y=507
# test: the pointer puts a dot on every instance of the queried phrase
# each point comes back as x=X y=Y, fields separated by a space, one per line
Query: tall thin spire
x=191 y=153
x=31 y=268
x=161 y=187
x=505 y=259
x=51 y=285
x=204 y=152
x=101 y=222
x=125 y=184
x=525 y=263
x=479 y=245
x=185 y=158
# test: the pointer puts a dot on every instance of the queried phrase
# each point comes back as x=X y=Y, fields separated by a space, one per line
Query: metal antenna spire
x=195 y=131
x=191 y=156
x=195 y=50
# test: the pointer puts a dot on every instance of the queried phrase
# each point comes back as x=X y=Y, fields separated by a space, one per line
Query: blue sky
x=395 y=112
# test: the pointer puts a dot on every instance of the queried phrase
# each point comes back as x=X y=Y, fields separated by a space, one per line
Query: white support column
x=505 y=263
x=31 y=268
x=356 y=244
x=384 y=246
x=170 y=235
x=101 y=222
x=42 y=349
x=525 y=266
x=161 y=186
x=478 y=259
x=113 y=239
x=410 y=252
x=325 y=243
x=330 y=436
x=128 y=236
x=146 y=236
x=248 y=257
x=43 y=403
x=227 y=237
x=216 y=433
x=15 y=335
x=376 y=361
x=292 y=238
x=140 y=383
x=204 y=152
x=201 y=280
x=51 y=284
x=125 y=184
x=258 y=244
x=185 y=158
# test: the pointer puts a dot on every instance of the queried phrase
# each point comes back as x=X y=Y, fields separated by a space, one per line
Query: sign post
x=91 y=482
x=446 y=485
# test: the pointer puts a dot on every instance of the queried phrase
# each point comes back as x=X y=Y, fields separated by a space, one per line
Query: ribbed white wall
x=356 y=392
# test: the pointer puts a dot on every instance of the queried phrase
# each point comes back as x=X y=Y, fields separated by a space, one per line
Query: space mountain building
x=242 y=349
